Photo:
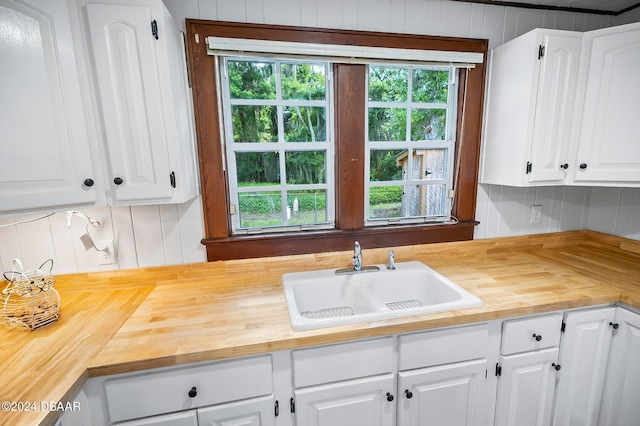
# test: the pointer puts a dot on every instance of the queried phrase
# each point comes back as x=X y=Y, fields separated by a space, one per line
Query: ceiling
x=605 y=7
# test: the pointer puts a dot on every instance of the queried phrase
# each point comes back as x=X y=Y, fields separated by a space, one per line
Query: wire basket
x=29 y=299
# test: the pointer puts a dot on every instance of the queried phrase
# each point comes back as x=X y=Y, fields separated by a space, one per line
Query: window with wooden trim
x=430 y=159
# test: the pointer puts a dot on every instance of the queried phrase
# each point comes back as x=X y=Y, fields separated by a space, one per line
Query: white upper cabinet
x=43 y=135
x=531 y=98
x=139 y=63
x=606 y=144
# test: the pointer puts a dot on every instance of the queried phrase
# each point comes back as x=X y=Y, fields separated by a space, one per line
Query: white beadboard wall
x=170 y=234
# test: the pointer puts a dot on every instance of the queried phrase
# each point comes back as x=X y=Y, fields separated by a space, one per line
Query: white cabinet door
x=621 y=399
x=531 y=97
x=359 y=402
x=183 y=418
x=43 y=136
x=555 y=103
x=583 y=356
x=251 y=412
x=447 y=395
x=607 y=144
x=525 y=388
x=125 y=56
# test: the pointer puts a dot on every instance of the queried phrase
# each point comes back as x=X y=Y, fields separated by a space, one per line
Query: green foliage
x=265 y=202
x=305 y=167
x=384 y=166
x=385 y=195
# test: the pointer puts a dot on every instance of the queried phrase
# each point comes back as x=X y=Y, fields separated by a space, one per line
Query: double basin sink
x=318 y=299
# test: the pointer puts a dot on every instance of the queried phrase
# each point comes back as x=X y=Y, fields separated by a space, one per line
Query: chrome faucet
x=357 y=257
x=357 y=264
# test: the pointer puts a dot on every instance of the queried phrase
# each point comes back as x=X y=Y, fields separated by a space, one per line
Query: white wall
x=159 y=235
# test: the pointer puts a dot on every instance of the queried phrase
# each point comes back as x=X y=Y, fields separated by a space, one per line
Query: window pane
x=388 y=84
x=304 y=124
x=306 y=207
x=252 y=123
x=430 y=86
x=252 y=80
x=408 y=201
x=385 y=202
x=386 y=165
x=303 y=81
x=431 y=164
x=387 y=124
x=257 y=168
x=260 y=209
x=305 y=167
x=428 y=124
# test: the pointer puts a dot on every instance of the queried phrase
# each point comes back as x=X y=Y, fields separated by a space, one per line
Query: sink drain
x=343 y=311
x=404 y=304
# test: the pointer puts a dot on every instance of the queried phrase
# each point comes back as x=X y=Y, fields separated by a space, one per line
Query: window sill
x=305 y=242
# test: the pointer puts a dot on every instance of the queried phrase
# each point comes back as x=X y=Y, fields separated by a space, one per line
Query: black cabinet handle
x=583 y=166
x=556 y=366
x=408 y=393
x=564 y=166
x=389 y=397
x=537 y=337
x=614 y=325
x=88 y=182
x=118 y=181
x=193 y=392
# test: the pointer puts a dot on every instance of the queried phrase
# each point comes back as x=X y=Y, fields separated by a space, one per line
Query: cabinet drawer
x=149 y=393
x=443 y=346
x=531 y=333
x=342 y=361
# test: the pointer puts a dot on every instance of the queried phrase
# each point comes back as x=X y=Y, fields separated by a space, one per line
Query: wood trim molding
x=251 y=246
x=350 y=85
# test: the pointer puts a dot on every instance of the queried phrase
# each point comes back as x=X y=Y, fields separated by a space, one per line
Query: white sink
x=318 y=299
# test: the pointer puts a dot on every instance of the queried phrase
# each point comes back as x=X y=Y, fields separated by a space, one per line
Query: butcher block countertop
x=129 y=320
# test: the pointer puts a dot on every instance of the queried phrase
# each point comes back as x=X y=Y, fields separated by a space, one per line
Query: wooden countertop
x=130 y=320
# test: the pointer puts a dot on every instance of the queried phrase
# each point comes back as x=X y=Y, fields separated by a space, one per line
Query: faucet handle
x=391 y=265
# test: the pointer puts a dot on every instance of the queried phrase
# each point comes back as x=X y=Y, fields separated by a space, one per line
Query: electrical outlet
x=106 y=256
x=536 y=213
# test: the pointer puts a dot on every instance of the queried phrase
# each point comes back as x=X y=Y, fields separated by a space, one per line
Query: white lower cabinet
x=525 y=390
x=621 y=399
x=183 y=418
x=252 y=412
x=580 y=367
x=527 y=370
x=583 y=356
x=360 y=402
x=447 y=395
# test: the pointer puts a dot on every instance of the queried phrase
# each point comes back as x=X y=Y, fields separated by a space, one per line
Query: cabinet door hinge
x=540 y=52
x=498 y=370
x=528 y=170
x=172 y=179
x=292 y=405
x=276 y=408
x=154 y=29
x=563 y=327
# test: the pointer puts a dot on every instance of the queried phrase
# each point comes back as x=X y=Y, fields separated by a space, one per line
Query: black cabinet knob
x=408 y=393
x=583 y=166
x=88 y=182
x=564 y=166
x=556 y=366
x=537 y=337
x=615 y=325
x=118 y=181
x=389 y=397
x=193 y=392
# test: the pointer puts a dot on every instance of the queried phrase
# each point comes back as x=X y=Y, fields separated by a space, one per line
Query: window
x=393 y=163
x=278 y=142
x=410 y=142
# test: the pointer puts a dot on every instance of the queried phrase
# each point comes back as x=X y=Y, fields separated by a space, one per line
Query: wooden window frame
x=349 y=85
